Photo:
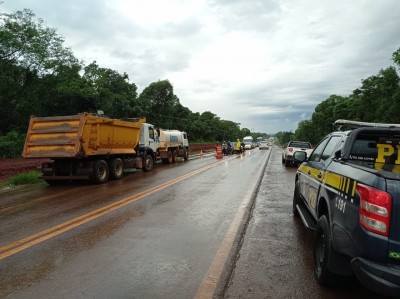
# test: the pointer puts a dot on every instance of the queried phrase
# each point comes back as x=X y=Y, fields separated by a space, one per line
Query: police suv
x=348 y=192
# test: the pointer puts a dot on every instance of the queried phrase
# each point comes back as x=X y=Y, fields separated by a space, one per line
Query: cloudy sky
x=265 y=64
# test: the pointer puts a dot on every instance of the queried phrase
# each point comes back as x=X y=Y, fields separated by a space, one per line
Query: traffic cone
x=218 y=154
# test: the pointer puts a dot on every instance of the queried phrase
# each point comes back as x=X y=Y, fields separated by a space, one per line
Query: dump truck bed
x=80 y=136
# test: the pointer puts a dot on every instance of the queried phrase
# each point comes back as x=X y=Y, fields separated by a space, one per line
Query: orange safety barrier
x=219 y=155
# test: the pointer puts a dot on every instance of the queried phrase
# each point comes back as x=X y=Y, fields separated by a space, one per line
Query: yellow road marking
x=17 y=246
x=209 y=284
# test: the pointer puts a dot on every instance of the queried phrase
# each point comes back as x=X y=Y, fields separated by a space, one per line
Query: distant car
x=294 y=146
x=233 y=144
x=263 y=145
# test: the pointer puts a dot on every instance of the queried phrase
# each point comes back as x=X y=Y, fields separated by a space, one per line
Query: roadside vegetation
x=23 y=178
x=40 y=76
x=377 y=100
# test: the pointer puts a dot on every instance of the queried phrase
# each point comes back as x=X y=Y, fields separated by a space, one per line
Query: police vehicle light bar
x=357 y=124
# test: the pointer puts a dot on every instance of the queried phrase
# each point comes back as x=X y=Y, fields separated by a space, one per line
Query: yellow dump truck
x=87 y=146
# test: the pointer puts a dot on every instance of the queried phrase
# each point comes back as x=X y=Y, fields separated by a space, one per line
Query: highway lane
x=275 y=259
x=163 y=234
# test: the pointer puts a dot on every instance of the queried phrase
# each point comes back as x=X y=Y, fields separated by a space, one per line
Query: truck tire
x=116 y=169
x=100 y=172
x=169 y=157
x=148 y=163
x=323 y=251
x=186 y=156
x=174 y=156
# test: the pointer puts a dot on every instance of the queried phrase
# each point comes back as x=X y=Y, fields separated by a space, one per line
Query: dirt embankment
x=10 y=167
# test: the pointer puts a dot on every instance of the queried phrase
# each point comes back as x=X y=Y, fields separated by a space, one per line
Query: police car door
x=319 y=160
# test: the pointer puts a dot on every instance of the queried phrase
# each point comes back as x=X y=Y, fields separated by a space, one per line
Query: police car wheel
x=322 y=252
x=296 y=199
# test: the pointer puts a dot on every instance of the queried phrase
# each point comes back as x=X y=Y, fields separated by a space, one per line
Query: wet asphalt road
x=275 y=259
x=167 y=238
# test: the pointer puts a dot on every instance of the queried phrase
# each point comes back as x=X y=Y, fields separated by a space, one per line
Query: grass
x=23 y=178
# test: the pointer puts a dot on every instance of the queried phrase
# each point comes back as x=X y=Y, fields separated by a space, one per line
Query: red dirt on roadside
x=10 y=167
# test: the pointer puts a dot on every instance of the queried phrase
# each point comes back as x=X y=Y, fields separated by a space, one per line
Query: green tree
x=27 y=42
x=244 y=132
x=210 y=126
x=323 y=116
x=396 y=57
x=158 y=102
x=306 y=132
x=284 y=137
x=230 y=129
x=111 y=92
x=39 y=76
x=29 y=51
x=378 y=97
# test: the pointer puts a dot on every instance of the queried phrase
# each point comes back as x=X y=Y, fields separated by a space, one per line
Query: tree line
x=377 y=100
x=40 y=76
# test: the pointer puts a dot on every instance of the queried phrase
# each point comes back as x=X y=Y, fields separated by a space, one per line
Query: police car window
x=376 y=152
x=316 y=155
x=330 y=147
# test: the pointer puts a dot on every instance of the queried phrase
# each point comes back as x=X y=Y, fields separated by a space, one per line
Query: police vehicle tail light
x=375 y=209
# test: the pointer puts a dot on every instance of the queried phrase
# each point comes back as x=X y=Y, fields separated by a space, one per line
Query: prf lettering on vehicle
x=388 y=153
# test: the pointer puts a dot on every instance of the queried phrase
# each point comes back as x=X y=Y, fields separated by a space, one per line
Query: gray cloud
x=264 y=64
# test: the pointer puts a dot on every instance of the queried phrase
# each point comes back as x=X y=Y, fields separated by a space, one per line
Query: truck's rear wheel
x=174 y=156
x=116 y=169
x=148 y=164
x=169 y=157
x=100 y=172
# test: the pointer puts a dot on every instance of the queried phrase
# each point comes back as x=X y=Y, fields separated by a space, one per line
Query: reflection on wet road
x=186 y=230
x=29 y=241
x=149 y=235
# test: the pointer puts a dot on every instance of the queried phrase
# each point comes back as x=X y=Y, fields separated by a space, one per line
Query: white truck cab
x=149 y=137
x=163 y=145
x=248 y=142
